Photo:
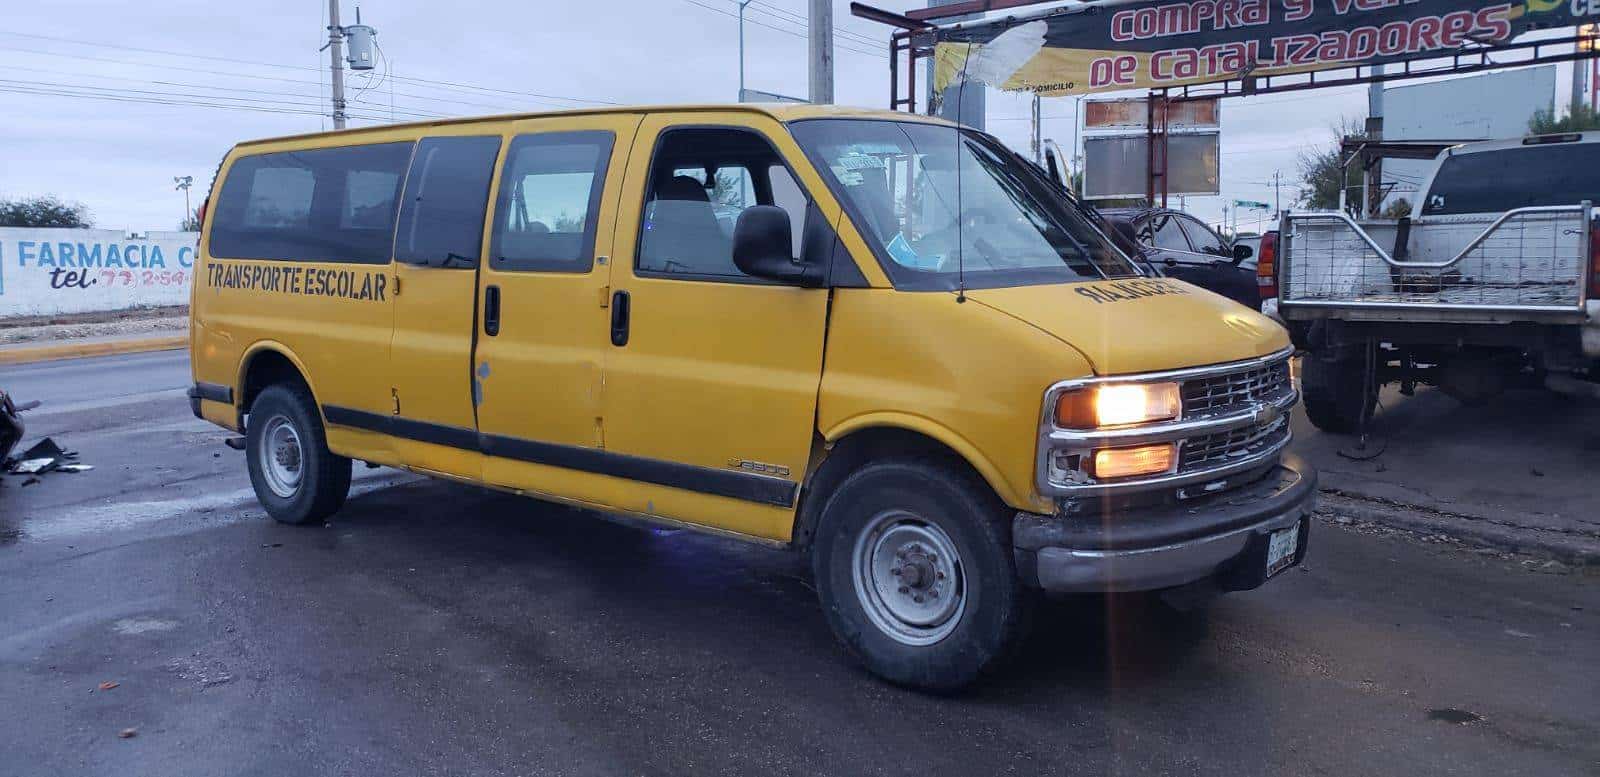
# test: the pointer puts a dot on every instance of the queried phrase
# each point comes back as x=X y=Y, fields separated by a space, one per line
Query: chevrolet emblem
x=1265 y=414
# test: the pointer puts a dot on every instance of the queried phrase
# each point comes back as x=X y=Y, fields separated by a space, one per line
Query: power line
x=800 y=19
x=319 y=84
x=792 y=33
x=159 y=101
x=432 y=82
x=118 y=91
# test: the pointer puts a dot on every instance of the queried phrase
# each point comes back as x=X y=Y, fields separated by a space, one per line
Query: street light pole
x=183 y=183
x=742 y=4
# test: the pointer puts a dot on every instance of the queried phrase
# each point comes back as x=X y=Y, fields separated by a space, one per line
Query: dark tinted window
x=1520 y=177
x=688 y=222
x=330 y=204
x=549 y=200
x=1166 y=233
x=447 y=190
x=1203 y=239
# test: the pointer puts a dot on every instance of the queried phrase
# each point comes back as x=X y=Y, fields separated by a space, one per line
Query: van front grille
x=1233 y=390
x=1222 y=448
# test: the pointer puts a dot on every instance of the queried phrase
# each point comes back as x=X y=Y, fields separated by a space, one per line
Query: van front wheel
x=296 y=478
x=914 y=569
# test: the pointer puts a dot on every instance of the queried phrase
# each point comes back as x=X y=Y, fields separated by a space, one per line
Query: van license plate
x=1281 y=546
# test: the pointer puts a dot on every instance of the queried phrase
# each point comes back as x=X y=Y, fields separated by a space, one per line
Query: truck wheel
x=1336 y=393
x=296 y=478
x=913 y=565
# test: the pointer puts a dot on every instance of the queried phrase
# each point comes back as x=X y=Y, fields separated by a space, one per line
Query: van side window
x=326 y=205
x=549 y=201
x=700 y=181
x=447 y=190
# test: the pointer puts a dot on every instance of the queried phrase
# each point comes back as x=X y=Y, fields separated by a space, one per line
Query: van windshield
x=936 y=203
x=1518 y=177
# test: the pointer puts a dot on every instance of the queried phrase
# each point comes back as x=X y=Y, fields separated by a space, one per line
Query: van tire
x=901 y=513
x=298 y=481
x=1336 y=393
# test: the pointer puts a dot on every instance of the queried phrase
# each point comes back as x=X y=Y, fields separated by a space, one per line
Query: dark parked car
x=1178 y=245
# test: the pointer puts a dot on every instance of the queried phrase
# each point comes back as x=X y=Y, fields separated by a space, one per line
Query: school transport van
x=874 y=338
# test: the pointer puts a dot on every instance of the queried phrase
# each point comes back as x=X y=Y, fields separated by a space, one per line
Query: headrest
x=681 y=187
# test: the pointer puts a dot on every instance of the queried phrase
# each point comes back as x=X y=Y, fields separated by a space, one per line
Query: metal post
x=1038 y=130
x=742 y=4
x=1580 y=72
x=336 y=62
x=1076 y=162
x=820 y=37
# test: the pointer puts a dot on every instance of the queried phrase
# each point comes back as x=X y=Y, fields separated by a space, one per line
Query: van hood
x=1141 y=324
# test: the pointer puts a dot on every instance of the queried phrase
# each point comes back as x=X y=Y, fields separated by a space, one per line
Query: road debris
x=128 y=733
x=109 y=684
x=44 y=456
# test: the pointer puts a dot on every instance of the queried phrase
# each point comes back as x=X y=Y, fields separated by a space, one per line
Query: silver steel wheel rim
x=281 y=457
x=909 y=578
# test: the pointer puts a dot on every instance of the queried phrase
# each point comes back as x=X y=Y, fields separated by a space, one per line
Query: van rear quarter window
x=441 y=221
x=330 y=204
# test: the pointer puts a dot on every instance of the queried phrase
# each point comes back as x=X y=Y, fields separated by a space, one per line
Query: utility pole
x=742 y=4
x=336 y=62
x=1277 y=198
x=820 y=37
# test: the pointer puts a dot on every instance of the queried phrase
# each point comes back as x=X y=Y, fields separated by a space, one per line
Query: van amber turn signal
x=1113 y=404
x=1127 y=462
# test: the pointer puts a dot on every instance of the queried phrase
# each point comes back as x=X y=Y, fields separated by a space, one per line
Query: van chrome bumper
x=1216 y=537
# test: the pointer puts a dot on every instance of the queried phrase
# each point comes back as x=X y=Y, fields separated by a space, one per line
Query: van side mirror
x=1242 y=252
x=763 y=247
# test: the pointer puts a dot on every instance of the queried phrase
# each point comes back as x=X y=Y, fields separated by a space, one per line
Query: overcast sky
x=117 y=142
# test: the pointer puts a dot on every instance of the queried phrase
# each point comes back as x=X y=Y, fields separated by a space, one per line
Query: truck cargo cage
x=1526 y=260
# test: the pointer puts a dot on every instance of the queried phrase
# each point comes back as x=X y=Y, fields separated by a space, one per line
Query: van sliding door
x=439 y=239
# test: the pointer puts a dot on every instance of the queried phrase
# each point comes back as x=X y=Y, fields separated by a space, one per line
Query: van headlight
x=1118 y=404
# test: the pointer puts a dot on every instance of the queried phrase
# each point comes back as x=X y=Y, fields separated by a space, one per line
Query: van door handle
x=619 y=318
x=491 y=311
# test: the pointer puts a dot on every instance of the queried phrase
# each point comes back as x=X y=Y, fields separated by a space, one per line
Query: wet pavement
x=433 y=628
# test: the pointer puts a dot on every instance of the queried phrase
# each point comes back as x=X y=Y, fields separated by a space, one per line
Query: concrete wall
x=53 y=271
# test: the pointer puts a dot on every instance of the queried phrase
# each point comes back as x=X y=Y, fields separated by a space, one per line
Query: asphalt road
x=439 y=629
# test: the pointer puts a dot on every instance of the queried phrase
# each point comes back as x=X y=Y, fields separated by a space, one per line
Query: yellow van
x=869 y=336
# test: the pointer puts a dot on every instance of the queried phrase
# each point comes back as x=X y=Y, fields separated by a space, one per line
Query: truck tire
x=1335 y=393
x=913 y=564
x=296 y=478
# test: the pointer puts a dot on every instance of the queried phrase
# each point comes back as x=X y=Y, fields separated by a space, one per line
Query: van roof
x=781 y=111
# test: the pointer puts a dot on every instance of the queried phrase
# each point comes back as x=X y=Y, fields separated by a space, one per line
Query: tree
x=1320 y=170
x=43 y=211
x=1580 y=118
x=728 y=189
x=1398 y=209
x=191 y=223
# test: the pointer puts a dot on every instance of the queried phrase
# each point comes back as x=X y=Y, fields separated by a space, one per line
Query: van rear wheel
x=914 y=569
x=296 y=478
